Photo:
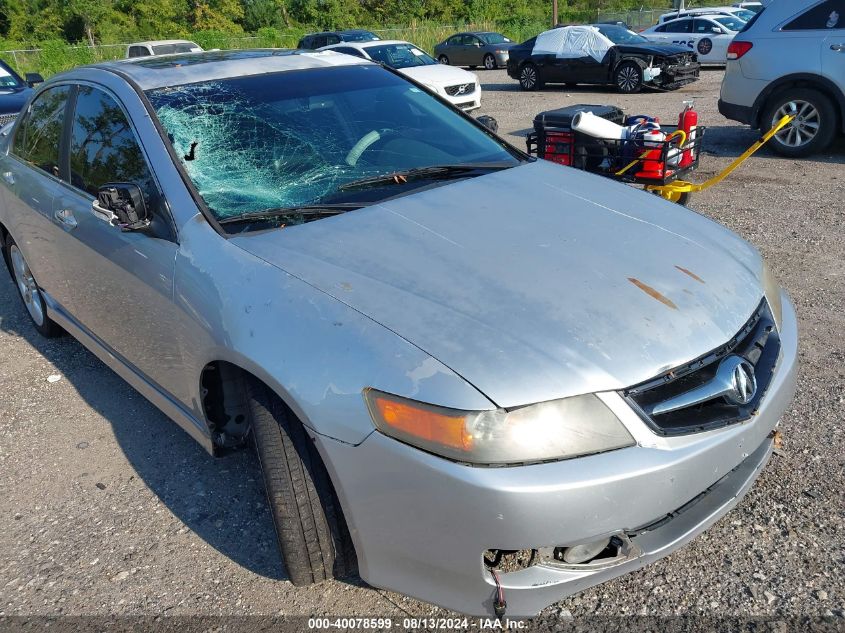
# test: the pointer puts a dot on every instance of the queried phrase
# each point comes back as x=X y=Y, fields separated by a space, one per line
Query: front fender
x=315 y=352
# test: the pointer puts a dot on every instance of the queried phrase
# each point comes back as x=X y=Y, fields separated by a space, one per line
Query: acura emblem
x=743 y=382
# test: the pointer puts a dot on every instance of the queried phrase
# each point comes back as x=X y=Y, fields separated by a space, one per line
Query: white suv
x=790 y=59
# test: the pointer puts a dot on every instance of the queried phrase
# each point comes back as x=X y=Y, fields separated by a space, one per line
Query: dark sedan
x=600 y=54
x=14 y=91
x=480 y=48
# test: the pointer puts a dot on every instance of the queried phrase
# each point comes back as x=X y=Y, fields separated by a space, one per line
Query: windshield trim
x=521 y=156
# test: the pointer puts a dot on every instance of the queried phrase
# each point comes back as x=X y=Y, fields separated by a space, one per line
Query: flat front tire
x=311 y=530
x=29 y=291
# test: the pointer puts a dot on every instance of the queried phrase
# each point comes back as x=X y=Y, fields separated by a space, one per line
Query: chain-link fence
x=636 y=20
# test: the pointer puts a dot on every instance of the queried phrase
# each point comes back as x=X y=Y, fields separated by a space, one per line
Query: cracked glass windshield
x=329 y=136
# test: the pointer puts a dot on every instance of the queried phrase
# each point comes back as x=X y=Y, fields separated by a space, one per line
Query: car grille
x=6 y=118
x=465 y=105
x=757 y=342
x=460 y=89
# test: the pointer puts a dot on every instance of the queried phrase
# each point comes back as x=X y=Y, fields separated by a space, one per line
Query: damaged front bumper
x=672 y=76
x=422 y=524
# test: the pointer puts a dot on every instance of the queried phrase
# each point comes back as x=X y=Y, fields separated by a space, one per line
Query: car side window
x=138 y=51
x=103 y=147
x=829 y=14
x=679 y=26
x=660 y=29
x=349 y=51
x=332 y=39
x=39 y=133
x=702 y=26
x=454 y=40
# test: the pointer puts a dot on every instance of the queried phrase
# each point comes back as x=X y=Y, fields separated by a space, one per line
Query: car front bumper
x=679 y=74
x=421 y=524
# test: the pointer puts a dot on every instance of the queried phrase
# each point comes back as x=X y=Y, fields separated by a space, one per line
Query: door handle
x=839 y=48
x=9 y=177
x=65 y=217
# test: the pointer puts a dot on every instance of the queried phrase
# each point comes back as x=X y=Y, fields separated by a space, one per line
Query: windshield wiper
x=437 y=172
x=319 y=210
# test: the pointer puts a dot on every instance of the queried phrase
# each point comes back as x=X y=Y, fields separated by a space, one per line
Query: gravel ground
x=108 y=508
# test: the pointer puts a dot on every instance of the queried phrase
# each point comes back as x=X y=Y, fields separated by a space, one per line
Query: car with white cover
x=602 y=54
x=458 y=86
x=707 y=35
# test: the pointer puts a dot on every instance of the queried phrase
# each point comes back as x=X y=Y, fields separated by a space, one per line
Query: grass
x=54 y=56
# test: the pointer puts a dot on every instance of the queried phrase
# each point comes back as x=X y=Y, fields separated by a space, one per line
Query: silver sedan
x=489 y=50
x=481 y=380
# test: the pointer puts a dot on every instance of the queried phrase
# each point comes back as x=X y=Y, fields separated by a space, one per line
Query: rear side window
x=826 y=15
x=138 y=51
x=679 y=26
x=349 y=51
x=40 y=131
x=103 y=147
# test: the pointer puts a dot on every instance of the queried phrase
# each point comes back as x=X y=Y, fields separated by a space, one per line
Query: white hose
x=592 y=125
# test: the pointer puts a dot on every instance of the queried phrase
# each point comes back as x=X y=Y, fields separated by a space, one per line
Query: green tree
x=217 y=15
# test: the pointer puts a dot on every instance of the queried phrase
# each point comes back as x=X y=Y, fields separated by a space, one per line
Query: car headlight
x=771 y=288
x=553 y=430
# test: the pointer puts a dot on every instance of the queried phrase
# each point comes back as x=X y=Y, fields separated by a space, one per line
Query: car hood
x=13 y=99
x=438 y=74
x=533 y=283
x=652 y=48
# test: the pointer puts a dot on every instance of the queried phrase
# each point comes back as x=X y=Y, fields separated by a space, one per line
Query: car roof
x=161 y=42
x=175 y=70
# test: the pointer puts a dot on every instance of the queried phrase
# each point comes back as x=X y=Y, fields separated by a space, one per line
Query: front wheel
x=443 y=60
x=813 y=127
x=29 y=291
x=529 y=77
x=628 y=78
x=489 y=62
x=312 y=533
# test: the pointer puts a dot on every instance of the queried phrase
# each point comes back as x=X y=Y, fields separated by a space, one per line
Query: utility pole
x=554 y=13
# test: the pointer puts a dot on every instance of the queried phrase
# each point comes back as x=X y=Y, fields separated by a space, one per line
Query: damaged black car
x=600 y=54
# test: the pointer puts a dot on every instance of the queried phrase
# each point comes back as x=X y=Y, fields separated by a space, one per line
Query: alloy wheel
x=803 y=127
x=443 y=60
x=489 y=62
x=528 y=77
x=628 y=78
x=26 y=285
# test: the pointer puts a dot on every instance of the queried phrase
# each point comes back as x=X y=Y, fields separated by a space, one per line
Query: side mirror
x=126 y=202
x=32 y=79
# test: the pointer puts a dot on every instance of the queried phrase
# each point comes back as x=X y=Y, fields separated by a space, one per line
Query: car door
x=450 y=47
x=120 y=283
x=32 y=176
x=679 y=32
x=833 y=45
x=711 y=41
x=474 y=51
x=461 y=51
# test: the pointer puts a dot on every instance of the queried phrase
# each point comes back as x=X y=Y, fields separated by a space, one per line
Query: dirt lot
x=108 y=508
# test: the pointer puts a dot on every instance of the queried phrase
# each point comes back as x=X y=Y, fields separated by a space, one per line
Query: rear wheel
x=489 y=62
x=529 y=77
x=443 y=60
x=628 y=77
x=29 y=291
x=813 y=127
x=312 y=533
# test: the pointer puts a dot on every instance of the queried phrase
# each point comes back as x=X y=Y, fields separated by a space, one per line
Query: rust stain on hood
x=654 y=294
x=691 y=274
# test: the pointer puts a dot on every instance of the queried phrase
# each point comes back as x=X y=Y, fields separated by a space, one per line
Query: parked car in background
x=314 y=41
x=477 y=48
x=458 y=86
x=14 y=91
x=162 y=47
x=737 y=12
x=790 y=59
x=706 y=35
x=756 y=7
x=602 y=54
x=443 y=352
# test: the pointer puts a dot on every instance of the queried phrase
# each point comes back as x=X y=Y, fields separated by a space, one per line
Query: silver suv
x=790 y=59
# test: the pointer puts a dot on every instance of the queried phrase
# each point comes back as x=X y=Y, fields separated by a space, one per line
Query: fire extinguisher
x=687 y=121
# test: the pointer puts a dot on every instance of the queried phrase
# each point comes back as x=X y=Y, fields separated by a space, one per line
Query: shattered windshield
x=400 y=55
x=252 y=144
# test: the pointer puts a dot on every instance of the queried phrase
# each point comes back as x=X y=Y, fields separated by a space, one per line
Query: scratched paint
x=654 y=294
